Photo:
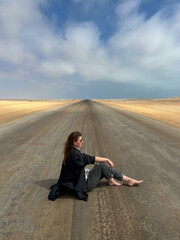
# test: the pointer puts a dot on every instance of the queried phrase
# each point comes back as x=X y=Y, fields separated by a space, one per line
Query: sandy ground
x=165 y=110
x=30 y=162
x=13 y=109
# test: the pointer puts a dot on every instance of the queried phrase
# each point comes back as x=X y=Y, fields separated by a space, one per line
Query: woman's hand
x=100 y=159
x=110 y=163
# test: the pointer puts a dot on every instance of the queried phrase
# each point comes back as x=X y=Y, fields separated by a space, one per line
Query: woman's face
x=79 y=142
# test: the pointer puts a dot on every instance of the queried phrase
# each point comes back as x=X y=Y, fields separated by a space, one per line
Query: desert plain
x=13 y=109
x=165 y=110
x=141 y=137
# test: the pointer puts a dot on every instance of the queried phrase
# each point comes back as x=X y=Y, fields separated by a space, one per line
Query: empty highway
x=31 y=153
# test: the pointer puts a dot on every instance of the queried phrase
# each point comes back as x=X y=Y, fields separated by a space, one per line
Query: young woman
x=75 y=177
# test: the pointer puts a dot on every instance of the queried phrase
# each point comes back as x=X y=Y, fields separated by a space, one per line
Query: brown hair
x=70 y=144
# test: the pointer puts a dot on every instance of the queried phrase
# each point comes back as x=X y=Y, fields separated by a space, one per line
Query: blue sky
x=53 y=49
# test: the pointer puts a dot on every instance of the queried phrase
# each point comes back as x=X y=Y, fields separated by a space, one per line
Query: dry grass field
x=165 y=110
x=13 y=109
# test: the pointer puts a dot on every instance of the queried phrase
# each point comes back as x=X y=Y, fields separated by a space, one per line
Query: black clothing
x=72 y=176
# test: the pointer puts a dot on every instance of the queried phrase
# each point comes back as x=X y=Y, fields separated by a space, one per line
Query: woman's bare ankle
x=131 y=182
x=114 y=182
x=134 y=182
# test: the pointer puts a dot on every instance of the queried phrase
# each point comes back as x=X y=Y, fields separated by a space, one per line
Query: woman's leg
x=103 y=170
x=119 y=176
x=113 y=176
x=130 y=181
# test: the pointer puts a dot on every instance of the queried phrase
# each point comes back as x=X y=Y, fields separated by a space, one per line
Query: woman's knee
x=103 y=165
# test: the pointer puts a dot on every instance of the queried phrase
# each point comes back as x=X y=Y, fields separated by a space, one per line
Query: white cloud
x=81 y=40
x=57 y=68
x=128 y=8
x=141 y=49
x=149 y=44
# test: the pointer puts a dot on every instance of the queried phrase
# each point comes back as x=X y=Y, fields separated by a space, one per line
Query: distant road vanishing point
x=31 y=153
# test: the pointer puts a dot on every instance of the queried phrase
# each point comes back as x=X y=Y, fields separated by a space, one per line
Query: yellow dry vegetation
x=165 y=110
x=13 y=109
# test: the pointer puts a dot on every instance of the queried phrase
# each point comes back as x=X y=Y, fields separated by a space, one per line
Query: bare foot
x=113 y=182
x=131 y=182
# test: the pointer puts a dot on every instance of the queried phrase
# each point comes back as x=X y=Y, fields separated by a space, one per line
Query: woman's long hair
x=70 y=144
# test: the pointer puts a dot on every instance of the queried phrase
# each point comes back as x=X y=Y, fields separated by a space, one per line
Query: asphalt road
x=30 y=160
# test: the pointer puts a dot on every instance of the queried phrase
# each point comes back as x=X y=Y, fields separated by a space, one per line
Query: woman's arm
x=101 y=159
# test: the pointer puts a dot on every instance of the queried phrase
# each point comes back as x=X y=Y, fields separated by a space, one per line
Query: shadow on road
x=46 y=183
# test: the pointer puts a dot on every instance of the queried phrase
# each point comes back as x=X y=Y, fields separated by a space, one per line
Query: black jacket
x=72 y=176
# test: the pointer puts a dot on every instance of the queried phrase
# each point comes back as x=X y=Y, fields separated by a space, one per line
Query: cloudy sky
x=89 y=48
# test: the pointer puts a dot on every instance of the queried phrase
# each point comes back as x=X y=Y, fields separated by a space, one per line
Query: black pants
x=98 y=172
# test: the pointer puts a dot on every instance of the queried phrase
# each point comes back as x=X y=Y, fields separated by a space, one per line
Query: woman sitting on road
x=80 y=180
